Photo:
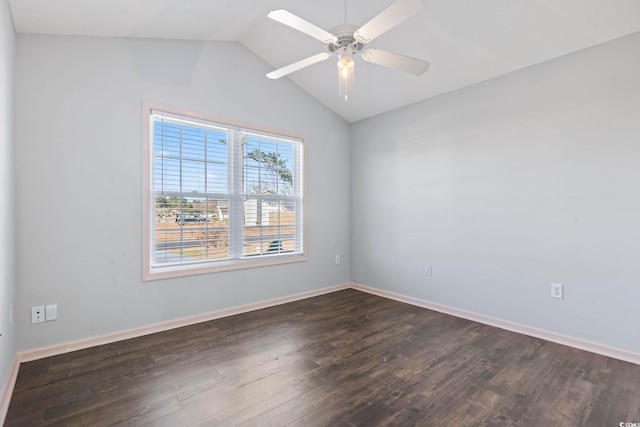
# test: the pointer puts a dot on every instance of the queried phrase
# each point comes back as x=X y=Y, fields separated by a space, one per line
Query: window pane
x=190 y=230
x=269 y=227
x=167 y=174
x=268 y=166
x=217 y=178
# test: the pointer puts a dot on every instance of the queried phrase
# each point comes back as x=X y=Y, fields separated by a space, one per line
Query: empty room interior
x=205 y=221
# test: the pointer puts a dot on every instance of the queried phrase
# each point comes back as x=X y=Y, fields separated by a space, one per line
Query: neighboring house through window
x=219 y=196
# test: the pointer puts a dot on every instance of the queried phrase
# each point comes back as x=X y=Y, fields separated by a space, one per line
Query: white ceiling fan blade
x=298 y=65
x=396 y=60
x=394 y=14
x=297 y=23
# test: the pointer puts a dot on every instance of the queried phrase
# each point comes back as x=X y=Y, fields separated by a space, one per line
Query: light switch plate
x=51 y=312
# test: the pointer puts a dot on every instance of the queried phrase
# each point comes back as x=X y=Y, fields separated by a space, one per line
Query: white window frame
x=154 y=272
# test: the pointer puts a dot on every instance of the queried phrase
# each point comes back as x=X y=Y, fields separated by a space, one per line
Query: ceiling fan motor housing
x=346 y=43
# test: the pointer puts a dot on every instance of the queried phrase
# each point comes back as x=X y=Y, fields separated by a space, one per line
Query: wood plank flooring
x=342 y=359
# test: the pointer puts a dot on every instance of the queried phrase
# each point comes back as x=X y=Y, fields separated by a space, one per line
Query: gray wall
x=7 y=263
x=79 y=157
x=507 y=186
x=502 y=187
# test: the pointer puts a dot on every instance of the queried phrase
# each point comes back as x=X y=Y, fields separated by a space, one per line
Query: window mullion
x=235 y=182
x=297 y=188
x=206 y=200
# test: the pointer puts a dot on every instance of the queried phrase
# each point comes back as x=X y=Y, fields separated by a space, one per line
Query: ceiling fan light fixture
x=346 y=75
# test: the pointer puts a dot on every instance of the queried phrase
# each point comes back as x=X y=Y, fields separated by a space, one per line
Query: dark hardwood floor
x=342 y=359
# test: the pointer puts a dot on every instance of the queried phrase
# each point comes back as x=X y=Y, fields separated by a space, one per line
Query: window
x=219 y=196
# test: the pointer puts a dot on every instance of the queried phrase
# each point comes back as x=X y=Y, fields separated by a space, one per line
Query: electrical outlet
x=428 y=271
x=337 y=259
x=557 y=291
x=37 y=314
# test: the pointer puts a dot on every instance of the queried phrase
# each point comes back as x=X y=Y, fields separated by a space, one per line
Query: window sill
x=159 y=273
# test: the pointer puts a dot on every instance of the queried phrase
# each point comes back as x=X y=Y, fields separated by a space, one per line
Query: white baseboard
x=7 y=389
x=579 y=343
x=39 y=353
x=582 y=344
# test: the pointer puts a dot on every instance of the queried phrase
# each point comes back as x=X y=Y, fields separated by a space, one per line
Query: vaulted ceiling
x=466 y=41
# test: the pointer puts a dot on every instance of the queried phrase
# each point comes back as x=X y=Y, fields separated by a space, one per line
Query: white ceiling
x=466 y=41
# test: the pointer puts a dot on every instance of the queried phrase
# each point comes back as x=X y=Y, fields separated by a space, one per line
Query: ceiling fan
x=347 y=40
